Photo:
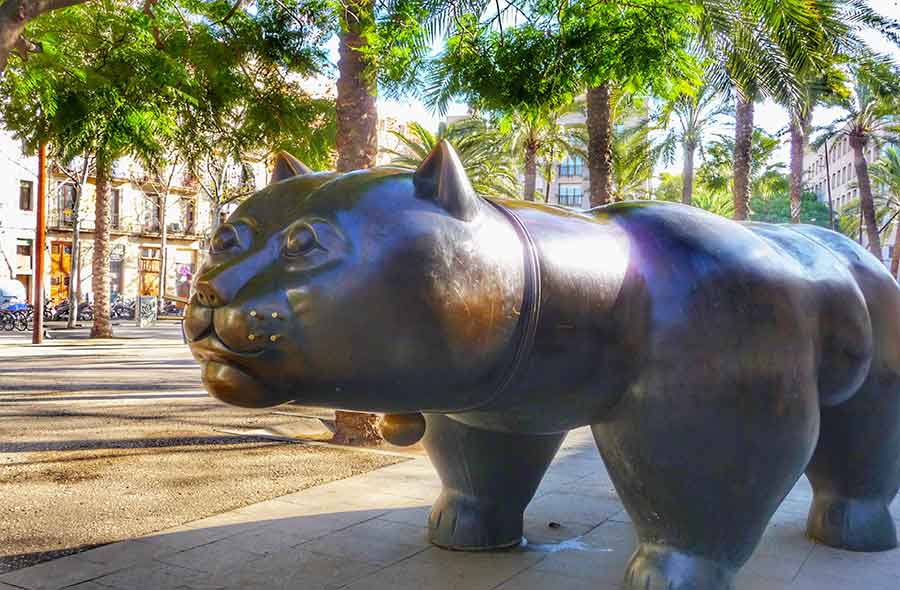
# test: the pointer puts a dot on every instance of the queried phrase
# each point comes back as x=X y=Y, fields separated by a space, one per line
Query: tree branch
x=14 y=15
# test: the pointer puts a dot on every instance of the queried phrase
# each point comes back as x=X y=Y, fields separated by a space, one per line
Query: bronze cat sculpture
x=716 y=362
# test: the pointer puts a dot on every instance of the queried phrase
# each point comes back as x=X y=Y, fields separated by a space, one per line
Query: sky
x=769 y=115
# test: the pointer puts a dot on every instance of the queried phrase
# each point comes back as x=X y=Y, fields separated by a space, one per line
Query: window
x=115 y=276
x=189 y=215
x=66 y=204
x=571 y=166
x=23 y=256
x=570 y=195
x=152 y=213
x=26 y=194
x=115 y=201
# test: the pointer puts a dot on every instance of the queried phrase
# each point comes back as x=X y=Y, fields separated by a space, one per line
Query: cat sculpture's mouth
x=227 y=377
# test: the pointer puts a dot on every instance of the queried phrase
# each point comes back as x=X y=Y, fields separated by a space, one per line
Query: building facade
x=838 y=174
x=139 y=207
x=570 y=183
x=18 y=190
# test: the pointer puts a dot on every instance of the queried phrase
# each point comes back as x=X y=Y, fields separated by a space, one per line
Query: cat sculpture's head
x=382 y=290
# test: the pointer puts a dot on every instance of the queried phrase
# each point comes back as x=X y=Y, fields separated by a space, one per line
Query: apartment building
x=18 y=190
x=139 y=207
x=839 y=174
x=570 y=184
x=387 y=140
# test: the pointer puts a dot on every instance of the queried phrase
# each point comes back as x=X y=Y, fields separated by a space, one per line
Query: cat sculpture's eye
x=225 y=238
x=231 y=236
x=301 y=240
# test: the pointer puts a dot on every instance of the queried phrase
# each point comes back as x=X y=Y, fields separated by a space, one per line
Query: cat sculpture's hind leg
x=701 y=481
x=488 y=479
x=855 y=471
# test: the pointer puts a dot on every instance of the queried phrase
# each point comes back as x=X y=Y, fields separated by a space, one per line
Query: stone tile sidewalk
x=367 y=533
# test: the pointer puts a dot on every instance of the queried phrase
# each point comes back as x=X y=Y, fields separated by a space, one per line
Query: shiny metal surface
x=714 y=361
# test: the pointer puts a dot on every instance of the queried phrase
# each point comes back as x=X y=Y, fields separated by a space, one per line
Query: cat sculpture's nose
x=208 y=295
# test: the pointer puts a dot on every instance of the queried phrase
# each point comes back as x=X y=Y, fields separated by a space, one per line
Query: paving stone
x=436 y=569
x=294 y=569
x=417 y=516
x=83 y=586
x=539 y=531
x=58 y=573
x=778 y=568
x=573 y=508
x=182 y=538
x=155 y=575
x=538 y=580
x=599 y=565
x=378 y=542
x=128 y=553
x=213 y=557
x=872 y=569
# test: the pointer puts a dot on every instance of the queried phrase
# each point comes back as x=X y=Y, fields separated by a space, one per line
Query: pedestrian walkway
x=368 y=533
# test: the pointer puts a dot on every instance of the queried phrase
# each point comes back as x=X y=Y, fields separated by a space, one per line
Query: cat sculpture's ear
x=287 y=166
x=442 y=179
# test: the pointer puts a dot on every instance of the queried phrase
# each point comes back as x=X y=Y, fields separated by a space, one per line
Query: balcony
x=61 y=220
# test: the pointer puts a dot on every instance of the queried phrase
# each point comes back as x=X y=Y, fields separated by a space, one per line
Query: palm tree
x=490 y=165
x=826 y=87
x=761 y=48
x=694 y=115
x=886 y=172
x=840 y=23
x=539 y=134
x=871 y=117
x=716 y=174
x=357 y=115
x=633 y=148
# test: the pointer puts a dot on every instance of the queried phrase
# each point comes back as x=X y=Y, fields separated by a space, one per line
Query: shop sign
x=117 y=253
x=149 y=265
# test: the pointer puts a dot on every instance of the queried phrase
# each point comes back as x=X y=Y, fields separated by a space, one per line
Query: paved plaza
x=367 y=533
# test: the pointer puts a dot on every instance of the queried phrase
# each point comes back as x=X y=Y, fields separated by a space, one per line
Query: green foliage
x=102 y=87
x=482 y=149
x=714 y=202
x=689 y=117
x=187 y=80
x=716 y=173
x=776 y=208
x=884 y=172
x=634 y=151
x=669 y=188
x=246 y=74
x=559 y=50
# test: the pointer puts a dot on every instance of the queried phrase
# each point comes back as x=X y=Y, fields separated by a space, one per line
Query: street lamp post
x=37 y=335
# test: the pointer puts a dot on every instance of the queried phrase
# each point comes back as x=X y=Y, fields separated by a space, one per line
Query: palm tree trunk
x=858 y=142
x=102 y=327
x=599 y=124
x=798 y=129
x=530 y=171
x=743 y=134
x=357 y=117
x=357 y=145
x=895 y=256
x=687 y=173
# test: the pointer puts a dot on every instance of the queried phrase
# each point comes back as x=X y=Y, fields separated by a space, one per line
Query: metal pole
x=828 y=185
x=40 y=233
